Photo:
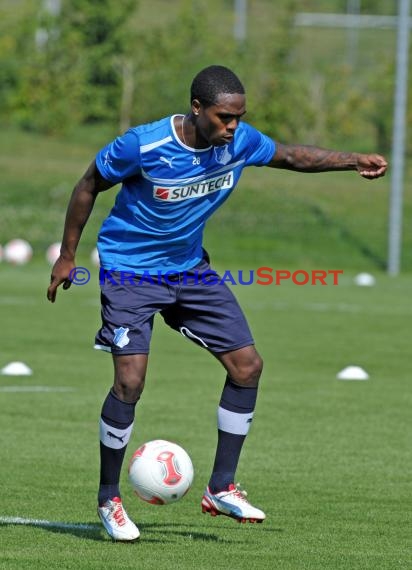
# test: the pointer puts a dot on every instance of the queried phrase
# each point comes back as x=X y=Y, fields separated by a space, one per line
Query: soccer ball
x=18 y=251
x=53 y=253
x=94 y=257
x=161 y=472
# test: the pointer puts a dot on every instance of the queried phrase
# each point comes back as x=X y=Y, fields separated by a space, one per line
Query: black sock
x=235 y=415
x=116 y=425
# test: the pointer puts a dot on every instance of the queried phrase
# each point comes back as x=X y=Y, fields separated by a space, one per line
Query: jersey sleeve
x=120 y=159
x=260 y=148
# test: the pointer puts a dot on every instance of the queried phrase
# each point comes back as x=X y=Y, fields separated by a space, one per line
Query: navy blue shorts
x=193 y=303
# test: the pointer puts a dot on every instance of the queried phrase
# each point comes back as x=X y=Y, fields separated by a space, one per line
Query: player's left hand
x=61 y=272
x=371 y=165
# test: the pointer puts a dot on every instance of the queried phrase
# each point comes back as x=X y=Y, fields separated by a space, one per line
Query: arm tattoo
x=305 y=158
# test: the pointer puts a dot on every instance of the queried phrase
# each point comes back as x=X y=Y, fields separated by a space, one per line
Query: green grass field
x=329 y=461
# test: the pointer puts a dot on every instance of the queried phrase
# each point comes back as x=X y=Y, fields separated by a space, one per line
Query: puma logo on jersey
x=203 y=188
x=107 y=159
x=167 y=161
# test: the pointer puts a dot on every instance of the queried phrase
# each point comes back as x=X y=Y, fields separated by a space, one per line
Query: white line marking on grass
x=12 y=389
x=339 y=308
x=48 y=524
x=329 y=307
x=17 y=301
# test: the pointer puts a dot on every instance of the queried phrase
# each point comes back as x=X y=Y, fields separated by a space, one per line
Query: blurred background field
x=73 y=79
x=275 y=218
x=329 y=461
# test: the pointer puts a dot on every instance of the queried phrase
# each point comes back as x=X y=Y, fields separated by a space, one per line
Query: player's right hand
x=60 y=274
x=371 y=166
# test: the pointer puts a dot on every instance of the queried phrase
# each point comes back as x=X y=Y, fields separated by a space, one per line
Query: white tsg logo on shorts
x=178 y=193
x=120 y=337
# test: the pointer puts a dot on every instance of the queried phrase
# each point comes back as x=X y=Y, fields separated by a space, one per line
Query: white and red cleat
x=116 y=521
x=231 y=503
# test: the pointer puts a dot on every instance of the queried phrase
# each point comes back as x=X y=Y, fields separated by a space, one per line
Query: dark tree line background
x=93 y=61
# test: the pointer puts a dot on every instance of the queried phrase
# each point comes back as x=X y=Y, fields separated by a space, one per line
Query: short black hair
x=212 y=82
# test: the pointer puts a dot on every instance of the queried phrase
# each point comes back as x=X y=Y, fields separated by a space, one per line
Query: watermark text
x=264 y=276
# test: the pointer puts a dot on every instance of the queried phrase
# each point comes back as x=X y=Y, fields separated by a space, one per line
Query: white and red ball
x=160 y=472
x=18 y=252
x=53 y=252
x=94 y=257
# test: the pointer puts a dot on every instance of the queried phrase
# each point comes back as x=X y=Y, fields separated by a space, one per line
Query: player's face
x=216 y=124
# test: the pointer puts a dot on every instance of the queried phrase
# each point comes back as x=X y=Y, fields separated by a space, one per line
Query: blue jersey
x=168 y=192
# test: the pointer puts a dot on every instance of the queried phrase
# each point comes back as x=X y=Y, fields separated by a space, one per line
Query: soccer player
x=175 y=173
